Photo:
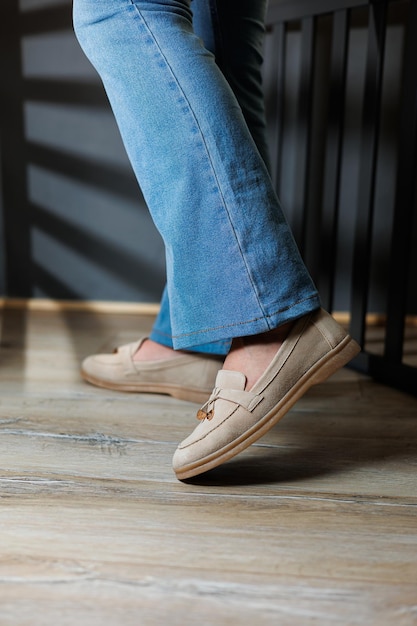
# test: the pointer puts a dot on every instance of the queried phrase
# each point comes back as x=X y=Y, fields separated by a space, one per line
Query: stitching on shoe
x=325 y=336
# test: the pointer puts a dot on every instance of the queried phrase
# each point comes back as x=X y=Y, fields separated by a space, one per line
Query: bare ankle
x=252 y=354
x=150 y=350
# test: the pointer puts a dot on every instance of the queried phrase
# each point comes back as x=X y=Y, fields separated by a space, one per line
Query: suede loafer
x=233 y=418
x=186 y=376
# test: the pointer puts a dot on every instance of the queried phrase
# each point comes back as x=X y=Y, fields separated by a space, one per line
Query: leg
x=188 y=154
x=234 y=32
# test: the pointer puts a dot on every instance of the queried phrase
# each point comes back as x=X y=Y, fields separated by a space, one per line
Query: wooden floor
x=316 y=524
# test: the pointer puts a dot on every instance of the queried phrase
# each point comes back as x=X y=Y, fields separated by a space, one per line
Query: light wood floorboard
x=315 y=524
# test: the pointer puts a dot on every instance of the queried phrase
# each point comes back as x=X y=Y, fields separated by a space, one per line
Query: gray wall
x=90 y=234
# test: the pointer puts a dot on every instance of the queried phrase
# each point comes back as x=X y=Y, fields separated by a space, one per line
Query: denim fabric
x=234 y=31
x=233 y=268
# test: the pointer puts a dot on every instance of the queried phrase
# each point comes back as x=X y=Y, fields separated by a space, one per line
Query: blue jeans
x=233 y=268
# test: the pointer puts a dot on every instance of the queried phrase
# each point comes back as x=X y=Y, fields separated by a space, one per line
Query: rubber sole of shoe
x=198 y=396
x=334 y=360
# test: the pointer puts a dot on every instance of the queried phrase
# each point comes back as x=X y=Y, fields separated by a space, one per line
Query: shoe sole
x=197 y=396
x=334 y=360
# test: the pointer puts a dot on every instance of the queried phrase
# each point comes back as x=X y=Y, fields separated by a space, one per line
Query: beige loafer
x=186 y=376
x=233 y=418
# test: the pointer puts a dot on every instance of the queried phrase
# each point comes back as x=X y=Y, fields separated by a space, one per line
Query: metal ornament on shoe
x=202 y=414
x=235 y=396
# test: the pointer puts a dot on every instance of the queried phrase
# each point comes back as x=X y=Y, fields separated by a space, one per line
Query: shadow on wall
x=75 y=223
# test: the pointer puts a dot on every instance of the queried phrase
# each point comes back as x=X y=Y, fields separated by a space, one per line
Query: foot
x=252 y=355
x=150 y=350
x=146 y=367
x=238 y=412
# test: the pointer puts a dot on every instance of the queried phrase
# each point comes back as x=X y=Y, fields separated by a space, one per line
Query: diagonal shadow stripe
x=65 y=92
x=115 y=260
x=118 y=180
x=46 y=20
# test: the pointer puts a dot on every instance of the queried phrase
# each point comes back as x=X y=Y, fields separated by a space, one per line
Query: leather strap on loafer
x=236 y=396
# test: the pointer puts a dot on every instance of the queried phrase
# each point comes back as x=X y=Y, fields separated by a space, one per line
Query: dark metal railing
x=382 y=233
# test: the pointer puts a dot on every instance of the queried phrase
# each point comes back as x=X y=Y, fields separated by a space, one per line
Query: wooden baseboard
x=92 y=306
x=146 y=308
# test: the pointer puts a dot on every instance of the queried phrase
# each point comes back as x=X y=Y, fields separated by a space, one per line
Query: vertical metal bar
x=304 y=115
x=368 y=165
x=16 y=212
x=334 y=142
x=280 y=101
x=405 y=197
x=274 y=79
